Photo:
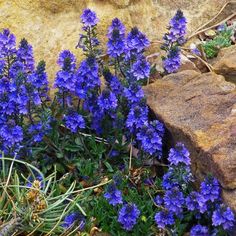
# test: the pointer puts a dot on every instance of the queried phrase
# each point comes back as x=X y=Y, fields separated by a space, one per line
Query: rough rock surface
x=225 y=63
x=200 y=110
x=51 y=26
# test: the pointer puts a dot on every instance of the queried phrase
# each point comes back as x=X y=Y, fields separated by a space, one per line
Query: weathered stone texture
x=51 y=26
x=200 y=110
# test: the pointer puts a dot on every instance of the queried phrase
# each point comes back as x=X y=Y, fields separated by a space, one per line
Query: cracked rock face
x=200 y=110
x=52 y=26
x=225 y=63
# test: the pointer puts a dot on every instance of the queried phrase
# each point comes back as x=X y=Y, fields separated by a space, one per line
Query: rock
x=121 y=3
x=200 y=111
x=187 y=64
x=225 y=63
x=51 y=26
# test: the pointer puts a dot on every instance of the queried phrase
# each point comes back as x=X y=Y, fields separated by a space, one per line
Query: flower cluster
x=107 y=102
x=137 y=118
x=178 y=155
x=176 y=199
x=134 y=94
x=128 y=213
x=74 y=121
x=223 y=217
x=128 y=216
x=89 y=18
x=140 y=69
x=65 y=79
x=150 y=137
x=87 y=78
x=7 y=44
x=88 y=41
x=172 y=40
x=172 y=62
x=113 y=115
x=113 y=83
x=137 y=41
x=199 y=230
x=24 y=91
x=72 y=219
x=116 y=44
x=113 y=195
x=177 y=29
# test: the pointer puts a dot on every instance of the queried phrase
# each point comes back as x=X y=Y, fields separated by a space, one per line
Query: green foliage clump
x=221 y=40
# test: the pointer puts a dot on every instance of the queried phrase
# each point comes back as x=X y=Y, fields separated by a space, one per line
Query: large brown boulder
x=225 y=63
x=54 y=25
x=200 y=111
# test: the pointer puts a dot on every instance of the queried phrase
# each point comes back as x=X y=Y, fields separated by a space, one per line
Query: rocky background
x=198 y=109
x=51 y=26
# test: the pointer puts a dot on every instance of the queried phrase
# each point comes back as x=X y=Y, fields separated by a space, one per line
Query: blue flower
x=136 y=40
x=179 y=176
x=140 y=69
x=7 y=103
x=71 y=218
x=116 y=24
x=113 y=195
x=7 y=44
x=172 y=62
x=128 y=216
x=67 y=60
x=195 y=50
x=38 y=130
x=25 y=55
x=158 y=200
x=191 y=201
x=91 y=105
x=107 y=101
x=222 y=27
x=177 y=29
x=199 y=230
x=87 y=78
x=2 y=66
x=10 y=134
x=38 y=80
x=150 y=137
x=210 y=189
x=164 y=218
x=137 y=117
x=16 y=68
x=113 y=83
x=65 y=79
x=89 y=18
x=134 y=93
x=223 y=217
x=174 y=200
x=116 y=44
x=74 y=121
x=178 y=155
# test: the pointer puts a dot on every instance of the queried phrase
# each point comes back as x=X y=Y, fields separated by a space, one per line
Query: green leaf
x=109 y=167
x=60 y=168
x=72 y=148
x=78 y=142
x=60 y=155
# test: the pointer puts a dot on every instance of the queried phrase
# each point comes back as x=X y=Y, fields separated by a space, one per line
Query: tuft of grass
x=30 y=206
